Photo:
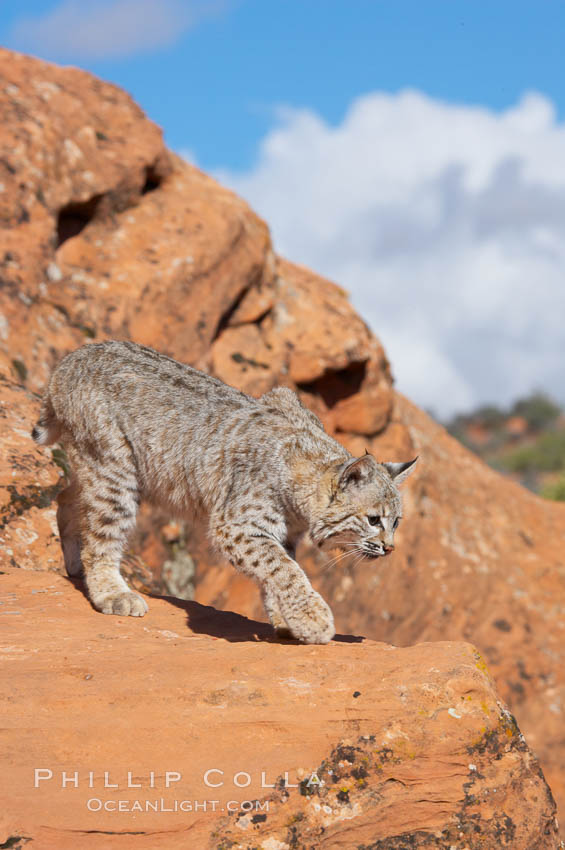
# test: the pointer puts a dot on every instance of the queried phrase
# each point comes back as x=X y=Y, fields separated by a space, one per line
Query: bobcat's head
x=361 y=506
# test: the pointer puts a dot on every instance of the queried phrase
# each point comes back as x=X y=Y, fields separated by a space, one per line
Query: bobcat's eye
x=396 y=521
x=374 y=520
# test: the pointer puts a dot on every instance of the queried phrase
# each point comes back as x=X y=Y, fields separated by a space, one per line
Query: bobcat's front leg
x=307 y=615
x=273 y=610
x=286 y=589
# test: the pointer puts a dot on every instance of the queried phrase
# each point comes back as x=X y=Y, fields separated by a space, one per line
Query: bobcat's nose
x=388 y=548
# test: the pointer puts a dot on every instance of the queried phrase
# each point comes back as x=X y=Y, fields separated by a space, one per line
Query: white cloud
x=188 y=155
x=447 y=225
x=108 y=29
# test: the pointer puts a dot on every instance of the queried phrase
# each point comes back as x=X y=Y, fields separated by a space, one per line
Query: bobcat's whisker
x=343 y=555
x=358 y=560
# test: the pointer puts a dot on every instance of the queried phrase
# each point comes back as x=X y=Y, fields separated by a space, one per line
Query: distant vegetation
x=526 y=441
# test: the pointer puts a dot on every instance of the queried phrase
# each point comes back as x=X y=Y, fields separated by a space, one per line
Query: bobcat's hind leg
x=69 y=527
x=108 y=502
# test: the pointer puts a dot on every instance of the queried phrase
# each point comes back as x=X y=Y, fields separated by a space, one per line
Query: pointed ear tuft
x=357 y=471
x=400 y=471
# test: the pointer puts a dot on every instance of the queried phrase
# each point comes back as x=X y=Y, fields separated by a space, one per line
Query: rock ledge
x=366 y=745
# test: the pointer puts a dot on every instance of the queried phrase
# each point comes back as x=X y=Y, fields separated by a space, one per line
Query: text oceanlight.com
x=95 y=804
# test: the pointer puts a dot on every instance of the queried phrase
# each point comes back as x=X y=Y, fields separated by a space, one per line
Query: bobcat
x=137 y=424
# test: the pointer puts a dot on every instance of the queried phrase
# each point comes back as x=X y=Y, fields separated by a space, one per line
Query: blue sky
x=411 y=150
x=212 y=85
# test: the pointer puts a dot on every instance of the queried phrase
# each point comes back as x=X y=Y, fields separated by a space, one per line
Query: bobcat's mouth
x=372 y=551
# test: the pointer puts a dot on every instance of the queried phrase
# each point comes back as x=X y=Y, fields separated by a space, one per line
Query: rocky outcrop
x=478 y=558
x=107 y=234
x=29 y=483
x=356 y=744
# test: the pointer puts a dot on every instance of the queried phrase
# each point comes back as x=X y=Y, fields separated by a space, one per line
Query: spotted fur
x=138 y=425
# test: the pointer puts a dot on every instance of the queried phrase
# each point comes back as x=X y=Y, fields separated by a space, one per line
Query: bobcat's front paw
x=311 y=620
x=124 y=604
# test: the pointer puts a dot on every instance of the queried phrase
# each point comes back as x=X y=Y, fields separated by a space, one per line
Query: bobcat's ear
x=400 y=471
x=357 y=471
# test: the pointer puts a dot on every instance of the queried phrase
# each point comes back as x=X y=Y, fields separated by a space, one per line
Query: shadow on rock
x=203 y=619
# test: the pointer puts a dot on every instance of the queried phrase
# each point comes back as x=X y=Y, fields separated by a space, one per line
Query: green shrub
x=538 y=410
x=490 y=416
x=547 y=454
x=555 y=491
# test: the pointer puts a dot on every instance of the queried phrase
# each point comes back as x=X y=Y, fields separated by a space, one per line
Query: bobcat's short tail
x=46 y=430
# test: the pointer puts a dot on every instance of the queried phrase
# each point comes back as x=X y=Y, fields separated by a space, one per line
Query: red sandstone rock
x=105 y=233
x=478 y=558
x=412 y=745
x=240 y=357
x=29 y=483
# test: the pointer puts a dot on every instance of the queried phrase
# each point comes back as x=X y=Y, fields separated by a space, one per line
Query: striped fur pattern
x=138 y=425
